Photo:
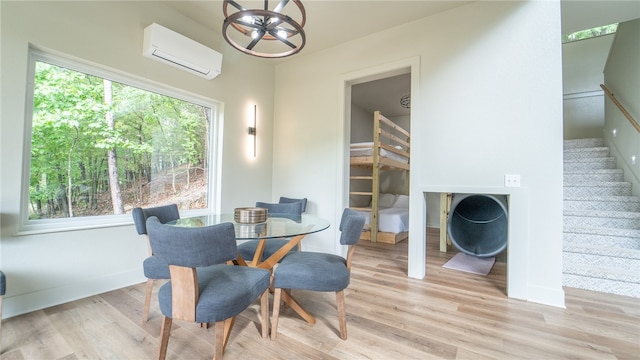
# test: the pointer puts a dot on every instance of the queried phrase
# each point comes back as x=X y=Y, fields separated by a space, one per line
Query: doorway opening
x=379 y=161
x=361 y=89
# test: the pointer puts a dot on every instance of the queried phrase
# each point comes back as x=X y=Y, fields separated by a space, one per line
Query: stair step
x=590 y=163
x=598 y=189
x=604 y=251
x=613 y=264
x=605 y=222
x=586 y=239
x=581 y=153
x=590 y=176
x=601 y=221
x=598 y=272
x=602 y=231
x=607 y=219
x=597 y=283
x=583 y=143
x=606 y=203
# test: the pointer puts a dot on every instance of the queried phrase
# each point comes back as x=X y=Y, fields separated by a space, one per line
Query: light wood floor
x=448 y=315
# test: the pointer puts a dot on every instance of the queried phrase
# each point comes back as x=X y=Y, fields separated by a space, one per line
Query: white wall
x=622 y=78
x=582 y=73
x=488 y=101
x=361 y=124
x=583 y=64
x=48 y=269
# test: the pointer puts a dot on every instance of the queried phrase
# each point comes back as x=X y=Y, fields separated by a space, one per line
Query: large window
x=102 y=144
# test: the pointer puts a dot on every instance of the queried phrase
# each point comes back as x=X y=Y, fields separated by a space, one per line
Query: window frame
x=34 y=226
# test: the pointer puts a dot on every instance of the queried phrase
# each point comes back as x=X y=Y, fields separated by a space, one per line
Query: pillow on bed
x=386 y=200
x=402 y=202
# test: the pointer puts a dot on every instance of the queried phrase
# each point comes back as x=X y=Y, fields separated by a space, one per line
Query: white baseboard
x=546 y=296
x=26 y=303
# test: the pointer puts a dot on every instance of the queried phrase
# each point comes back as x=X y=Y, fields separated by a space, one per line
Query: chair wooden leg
x=295 y=306
x=228 y=325
x=0 y=324
x=165 y=332
x=342 y=316
x=147 y=300
x=220 y=337
x=264 y=309
x=277 y=293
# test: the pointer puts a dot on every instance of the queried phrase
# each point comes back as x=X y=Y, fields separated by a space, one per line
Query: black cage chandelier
x=268 y=33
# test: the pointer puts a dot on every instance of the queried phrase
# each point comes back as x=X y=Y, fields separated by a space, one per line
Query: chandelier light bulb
x=282 y=34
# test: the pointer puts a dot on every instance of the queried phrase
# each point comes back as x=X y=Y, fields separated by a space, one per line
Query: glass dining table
x=276 y=226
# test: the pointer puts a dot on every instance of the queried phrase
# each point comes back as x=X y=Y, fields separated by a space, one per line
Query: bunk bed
x=387 y=214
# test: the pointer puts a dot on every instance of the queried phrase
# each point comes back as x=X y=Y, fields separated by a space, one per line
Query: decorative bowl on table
x=250 y=215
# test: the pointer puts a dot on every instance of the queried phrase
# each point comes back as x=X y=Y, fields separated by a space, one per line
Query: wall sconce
x=252 y=129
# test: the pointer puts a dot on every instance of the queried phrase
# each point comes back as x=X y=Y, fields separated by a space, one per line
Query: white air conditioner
x=177 y=50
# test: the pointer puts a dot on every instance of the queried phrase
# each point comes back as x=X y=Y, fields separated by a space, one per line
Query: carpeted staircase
x=601 y=222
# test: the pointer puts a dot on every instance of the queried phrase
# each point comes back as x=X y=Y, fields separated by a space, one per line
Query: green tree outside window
x=100 y=147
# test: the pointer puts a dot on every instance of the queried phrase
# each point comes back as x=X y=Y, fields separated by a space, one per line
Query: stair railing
x=624 y=111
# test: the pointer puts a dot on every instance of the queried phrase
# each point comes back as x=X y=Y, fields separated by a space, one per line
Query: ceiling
x=352 y=19
x=581 y=15
x=348 y=19
x=383 y=95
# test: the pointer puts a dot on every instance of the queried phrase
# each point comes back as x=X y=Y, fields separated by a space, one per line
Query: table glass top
x=276 y=226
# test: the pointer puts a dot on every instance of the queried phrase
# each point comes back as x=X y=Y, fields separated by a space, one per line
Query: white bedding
x=393 y=220
x=366 y=149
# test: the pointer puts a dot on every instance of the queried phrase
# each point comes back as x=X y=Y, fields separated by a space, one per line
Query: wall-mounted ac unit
x=177 y=50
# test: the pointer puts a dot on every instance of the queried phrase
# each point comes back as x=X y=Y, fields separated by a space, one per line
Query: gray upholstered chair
x=203 y=287
x=154 y=269
x=304 y=270
x=3 y=289
x=248 y=248
x=287 y=200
